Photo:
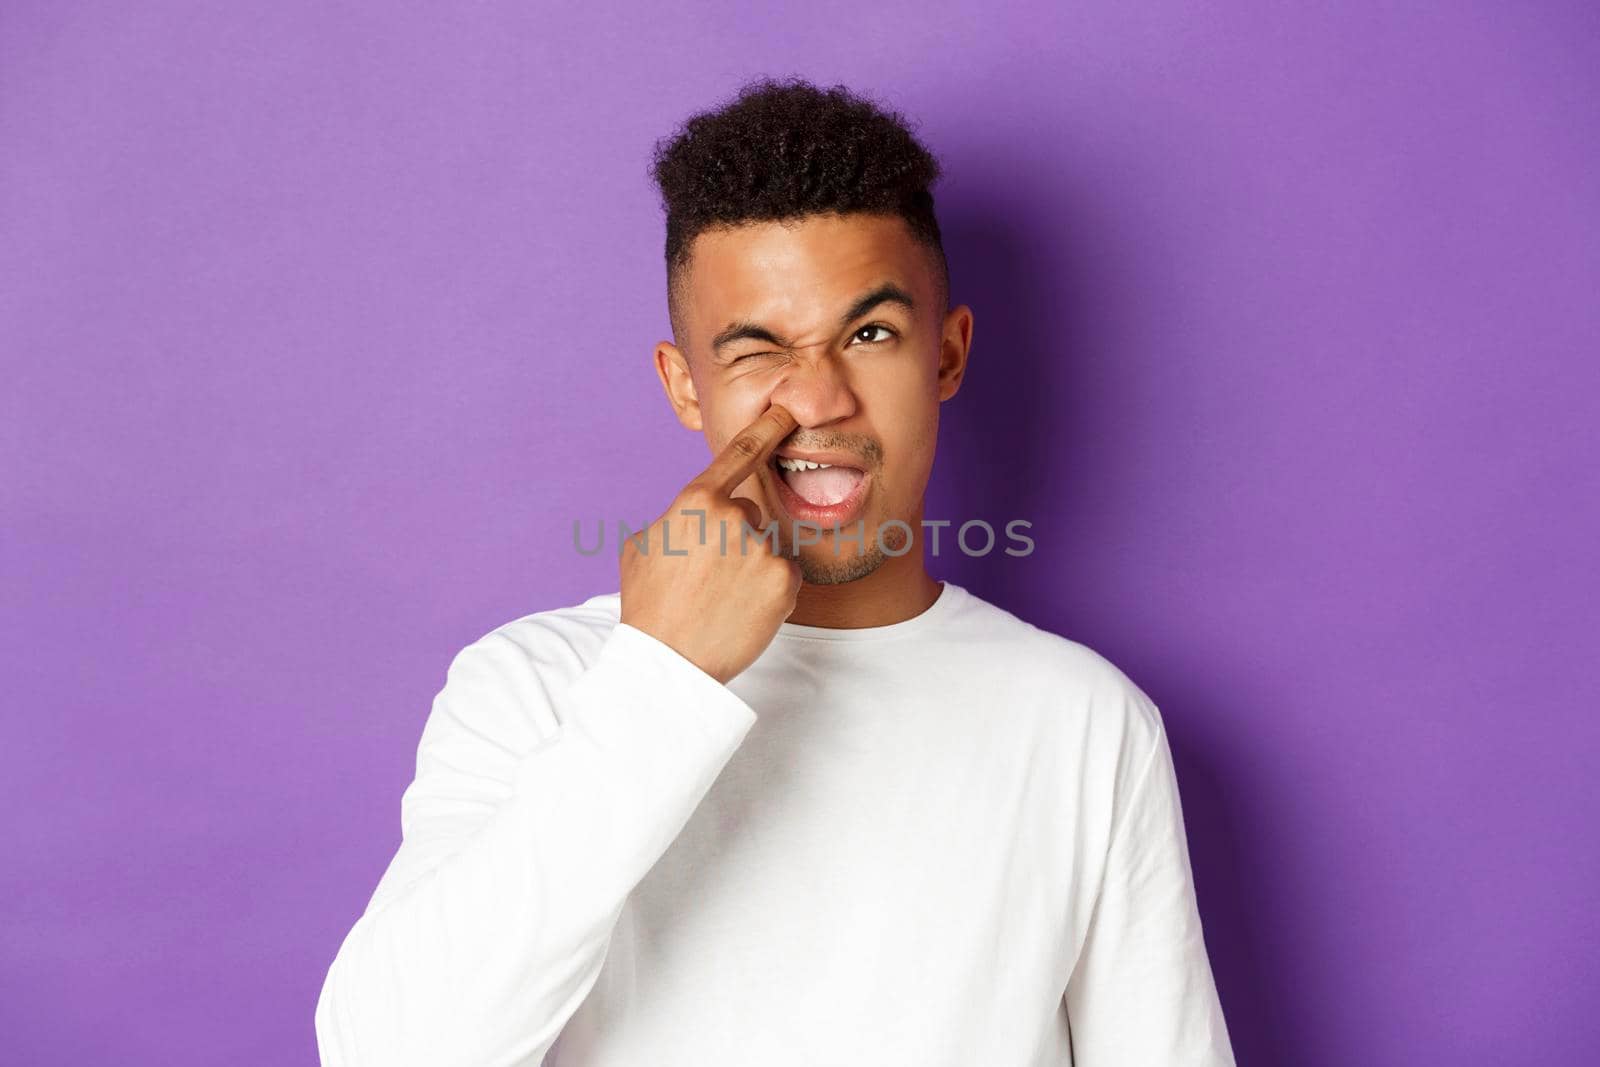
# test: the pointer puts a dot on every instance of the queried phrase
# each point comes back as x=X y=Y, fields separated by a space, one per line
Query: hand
x=717 y=601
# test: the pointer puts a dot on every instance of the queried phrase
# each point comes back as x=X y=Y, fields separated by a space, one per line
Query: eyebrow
x=888 y=293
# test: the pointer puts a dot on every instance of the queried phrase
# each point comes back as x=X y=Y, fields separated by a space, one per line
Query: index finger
x=747 y=450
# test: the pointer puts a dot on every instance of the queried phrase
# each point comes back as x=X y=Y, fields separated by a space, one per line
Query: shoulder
x=1106 y=720
x=505 y=684
x=1073 y=677
x=557 y=640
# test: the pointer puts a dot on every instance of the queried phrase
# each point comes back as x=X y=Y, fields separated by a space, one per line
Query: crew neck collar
x=949 y=597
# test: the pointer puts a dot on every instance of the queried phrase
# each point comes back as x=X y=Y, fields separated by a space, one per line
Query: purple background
x=322 y=322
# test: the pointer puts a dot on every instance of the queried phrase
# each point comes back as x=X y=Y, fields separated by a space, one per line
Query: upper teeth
x=799 y=464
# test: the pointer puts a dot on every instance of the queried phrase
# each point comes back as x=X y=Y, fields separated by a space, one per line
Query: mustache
x=835 y=441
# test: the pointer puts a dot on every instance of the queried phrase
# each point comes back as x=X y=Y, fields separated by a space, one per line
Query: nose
x=816 y=391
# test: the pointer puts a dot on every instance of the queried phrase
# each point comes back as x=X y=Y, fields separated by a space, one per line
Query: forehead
x=797 y=275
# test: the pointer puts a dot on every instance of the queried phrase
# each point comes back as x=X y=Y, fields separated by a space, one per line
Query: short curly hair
x=784 y=148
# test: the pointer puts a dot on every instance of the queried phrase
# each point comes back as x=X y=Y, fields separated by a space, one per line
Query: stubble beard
x=838 y=570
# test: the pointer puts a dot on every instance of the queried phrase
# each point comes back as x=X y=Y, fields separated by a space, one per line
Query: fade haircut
x=784 y=149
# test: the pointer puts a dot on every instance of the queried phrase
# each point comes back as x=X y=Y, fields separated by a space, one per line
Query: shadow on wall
x=1234 y=848
x=1049 y=314
x=993 y=455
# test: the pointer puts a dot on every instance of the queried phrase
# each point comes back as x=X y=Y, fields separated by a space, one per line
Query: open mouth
x=822 y=485
x=825 y=489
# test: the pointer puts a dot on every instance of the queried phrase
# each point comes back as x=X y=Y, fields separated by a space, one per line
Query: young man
x=787 y=800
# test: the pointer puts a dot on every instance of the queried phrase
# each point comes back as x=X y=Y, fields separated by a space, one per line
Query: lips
x=820 y=488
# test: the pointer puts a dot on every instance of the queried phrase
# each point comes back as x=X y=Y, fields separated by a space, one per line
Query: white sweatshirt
x=933 y=844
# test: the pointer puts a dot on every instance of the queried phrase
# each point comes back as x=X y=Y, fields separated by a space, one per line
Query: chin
x=827 y=569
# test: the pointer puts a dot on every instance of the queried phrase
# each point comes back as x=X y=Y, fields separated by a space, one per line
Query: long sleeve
x=1142 y=992
x=537 y=807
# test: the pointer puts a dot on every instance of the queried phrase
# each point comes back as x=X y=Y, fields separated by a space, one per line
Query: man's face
x=813 y=314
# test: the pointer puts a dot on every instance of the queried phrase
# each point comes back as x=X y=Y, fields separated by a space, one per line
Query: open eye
x=871 y=328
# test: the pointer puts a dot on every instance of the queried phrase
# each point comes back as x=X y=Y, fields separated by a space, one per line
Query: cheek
x=907 y=380
x=729 y=406
x=904 y=404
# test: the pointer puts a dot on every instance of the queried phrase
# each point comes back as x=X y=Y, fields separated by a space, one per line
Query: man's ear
x=953 y=348
x=673 y=369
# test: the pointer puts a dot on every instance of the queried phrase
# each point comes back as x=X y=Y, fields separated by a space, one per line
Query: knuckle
x=745 y=445
x=697 y=495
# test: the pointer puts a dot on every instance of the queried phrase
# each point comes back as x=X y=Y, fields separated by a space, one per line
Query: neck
x=898 y=590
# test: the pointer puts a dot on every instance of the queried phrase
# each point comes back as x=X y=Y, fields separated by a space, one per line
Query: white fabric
x=930 y=843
